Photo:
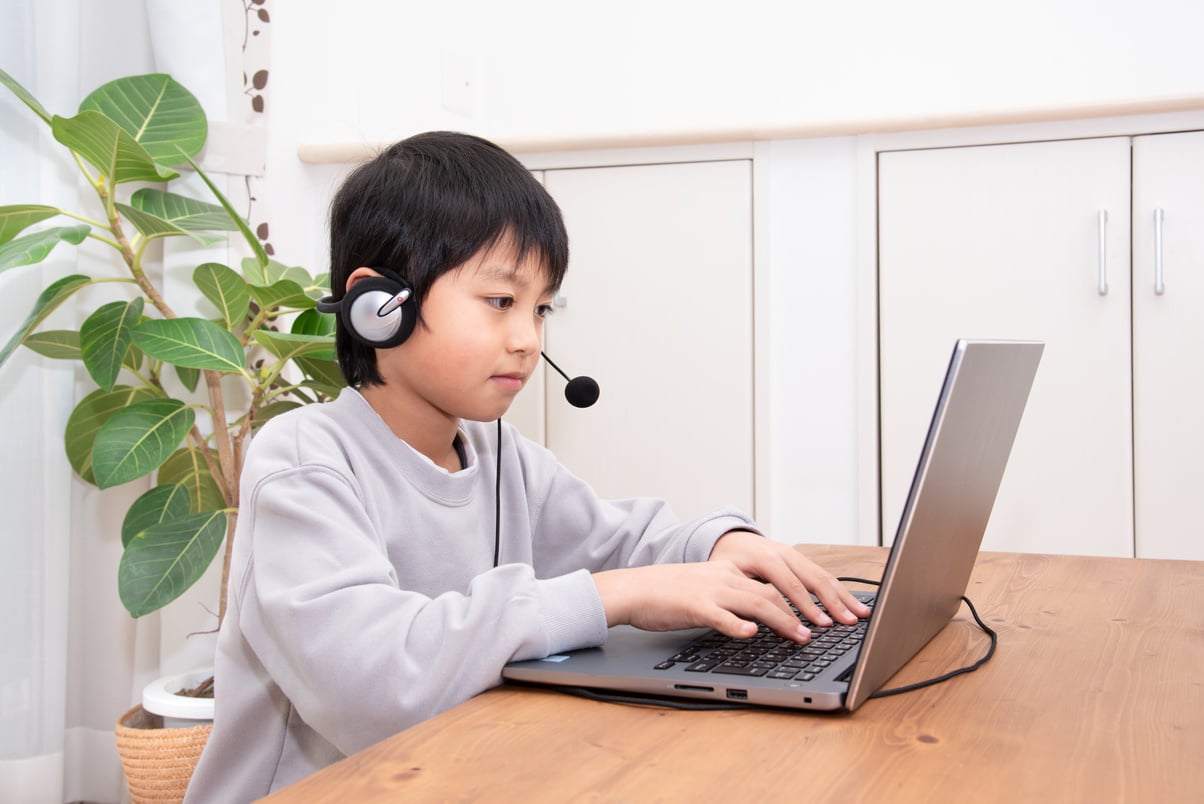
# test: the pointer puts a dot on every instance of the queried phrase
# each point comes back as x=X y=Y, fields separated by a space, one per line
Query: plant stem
x=133 y=260
x=229 y=457
x=215 y=469
x=231 y=524
x=225 y=449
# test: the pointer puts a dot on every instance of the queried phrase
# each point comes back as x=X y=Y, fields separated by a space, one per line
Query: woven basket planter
x=158 y=761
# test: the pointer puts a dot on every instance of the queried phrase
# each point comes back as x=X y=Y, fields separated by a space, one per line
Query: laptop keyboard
x=768 y=655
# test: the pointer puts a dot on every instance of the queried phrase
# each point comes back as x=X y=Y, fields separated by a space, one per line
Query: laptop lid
x=957 y=477
x=952 y=493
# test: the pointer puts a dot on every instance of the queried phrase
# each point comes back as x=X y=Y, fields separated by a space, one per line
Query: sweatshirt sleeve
x=359 y=657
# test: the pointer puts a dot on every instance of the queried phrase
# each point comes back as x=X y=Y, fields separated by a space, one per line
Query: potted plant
x=177 y=397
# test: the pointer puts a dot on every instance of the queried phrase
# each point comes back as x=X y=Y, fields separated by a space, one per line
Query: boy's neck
x=430 y=432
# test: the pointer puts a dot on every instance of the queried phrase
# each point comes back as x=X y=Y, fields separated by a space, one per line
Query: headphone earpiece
x=379 y=311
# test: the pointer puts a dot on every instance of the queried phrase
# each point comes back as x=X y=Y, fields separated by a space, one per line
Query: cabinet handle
x=1159 y=284
x=1103 y=252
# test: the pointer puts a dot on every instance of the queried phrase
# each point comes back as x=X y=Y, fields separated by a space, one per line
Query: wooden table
x=1096 y=694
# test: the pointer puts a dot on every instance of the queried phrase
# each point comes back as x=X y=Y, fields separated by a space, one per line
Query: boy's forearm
x=615 y=591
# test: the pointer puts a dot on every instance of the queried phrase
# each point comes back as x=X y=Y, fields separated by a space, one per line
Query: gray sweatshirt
x=363 y=597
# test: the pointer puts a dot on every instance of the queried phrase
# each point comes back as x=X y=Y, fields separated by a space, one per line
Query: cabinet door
x=657 y=307
x=1168 y=345
x=1022 y=241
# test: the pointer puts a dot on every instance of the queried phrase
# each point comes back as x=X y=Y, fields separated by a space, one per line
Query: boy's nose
x=526 y=337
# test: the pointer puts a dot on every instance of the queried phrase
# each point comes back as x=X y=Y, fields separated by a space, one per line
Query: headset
x=378 y=311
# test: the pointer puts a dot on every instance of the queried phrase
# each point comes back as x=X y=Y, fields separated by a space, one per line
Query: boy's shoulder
x=319 y=429
x=317 y=415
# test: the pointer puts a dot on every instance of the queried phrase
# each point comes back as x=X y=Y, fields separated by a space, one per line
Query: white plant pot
x=178 y=711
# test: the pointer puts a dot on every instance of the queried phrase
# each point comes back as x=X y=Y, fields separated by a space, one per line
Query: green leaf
x=311 y=322
x=133 y=358
x=270 y=411
x=152 y=227
x=156 y=111
x=47 y=302
x=326 y=374
x=156 y=213
x=163 y=561
x=89 y=416
x=322 y=391
x=188 y=377
x=226 y=289
x=192 y=342
x=105 y=337
x=111 y=150
x=288 y=346
x=187 y=467
x=285 y=293
x=23 y=94
x=320 y=287
x=18 y=217
x=261 y=256
x=136 y=439
x=160 y=504
x=272 y=272
x=181 y=211
x=35 y=247
x=59 y=344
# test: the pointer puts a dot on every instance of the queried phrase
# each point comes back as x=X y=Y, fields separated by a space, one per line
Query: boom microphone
x=581 y=392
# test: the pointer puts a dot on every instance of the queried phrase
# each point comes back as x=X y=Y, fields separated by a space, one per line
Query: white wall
x=812 y=253
x=546 y=69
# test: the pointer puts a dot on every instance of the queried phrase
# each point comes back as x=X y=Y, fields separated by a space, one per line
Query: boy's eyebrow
x=510 y=273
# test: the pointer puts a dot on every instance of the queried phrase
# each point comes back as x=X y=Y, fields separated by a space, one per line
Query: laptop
x=977 y=414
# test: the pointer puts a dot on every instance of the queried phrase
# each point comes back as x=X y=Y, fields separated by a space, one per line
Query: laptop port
x=738 y=695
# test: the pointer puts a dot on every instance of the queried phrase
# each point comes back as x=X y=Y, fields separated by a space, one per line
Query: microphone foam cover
x=581 y=392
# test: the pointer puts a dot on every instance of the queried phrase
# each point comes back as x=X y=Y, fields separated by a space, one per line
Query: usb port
x=738 y=695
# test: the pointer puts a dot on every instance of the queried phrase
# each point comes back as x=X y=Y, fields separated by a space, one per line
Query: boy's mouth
x=512 y=381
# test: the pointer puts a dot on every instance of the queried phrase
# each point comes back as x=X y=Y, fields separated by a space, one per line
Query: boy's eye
x=544 y=310
x=501 y=302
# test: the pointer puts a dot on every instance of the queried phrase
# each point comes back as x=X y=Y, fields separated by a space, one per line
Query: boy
x=397 y=546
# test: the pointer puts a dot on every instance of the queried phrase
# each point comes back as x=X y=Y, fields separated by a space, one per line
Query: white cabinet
x=658 y=308
x=1168 y=344
x=1033 y=241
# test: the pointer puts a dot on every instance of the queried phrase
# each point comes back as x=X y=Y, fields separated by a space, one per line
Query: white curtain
x=36 y=397
x=72 y=659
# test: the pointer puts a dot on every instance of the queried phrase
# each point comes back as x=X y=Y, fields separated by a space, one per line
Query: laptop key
x=747 y=670
x=702 y=666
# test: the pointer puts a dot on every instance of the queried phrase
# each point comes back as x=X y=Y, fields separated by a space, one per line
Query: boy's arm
x=743 y=584
x=658 y=573
x=357 y=656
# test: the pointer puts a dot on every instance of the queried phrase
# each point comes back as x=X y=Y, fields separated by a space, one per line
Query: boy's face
x=478 y=339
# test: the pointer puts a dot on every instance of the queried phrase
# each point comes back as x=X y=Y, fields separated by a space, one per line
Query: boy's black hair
x=426 y=205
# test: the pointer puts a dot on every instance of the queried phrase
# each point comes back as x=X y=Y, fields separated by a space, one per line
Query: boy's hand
x=792 y=574
x=727 y=593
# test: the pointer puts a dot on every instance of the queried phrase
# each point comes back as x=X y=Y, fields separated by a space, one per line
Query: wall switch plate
x=458 y=89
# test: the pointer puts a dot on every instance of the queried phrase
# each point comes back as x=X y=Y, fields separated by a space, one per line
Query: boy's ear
x=358 y=274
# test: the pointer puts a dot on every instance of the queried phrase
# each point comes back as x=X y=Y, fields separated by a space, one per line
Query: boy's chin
x=485 y=414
